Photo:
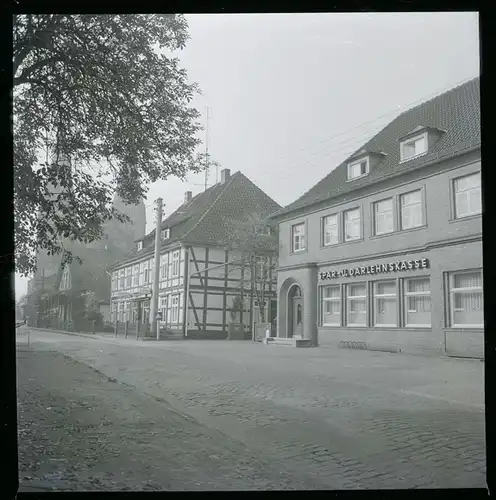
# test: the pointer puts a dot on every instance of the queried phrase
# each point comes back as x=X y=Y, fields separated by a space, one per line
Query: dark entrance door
x=297 y=317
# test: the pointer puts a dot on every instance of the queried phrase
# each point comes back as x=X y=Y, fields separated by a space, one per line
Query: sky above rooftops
x=290 y=96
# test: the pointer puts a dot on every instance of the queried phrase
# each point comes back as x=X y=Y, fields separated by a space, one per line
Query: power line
x=396 y=110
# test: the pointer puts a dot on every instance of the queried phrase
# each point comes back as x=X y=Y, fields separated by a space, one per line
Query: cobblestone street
x=258 y=417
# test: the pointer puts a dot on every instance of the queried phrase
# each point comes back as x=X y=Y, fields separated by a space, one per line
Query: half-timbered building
x=206 y=282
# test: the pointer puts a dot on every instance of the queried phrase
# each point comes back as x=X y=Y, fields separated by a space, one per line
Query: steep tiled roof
x=457 y=112
x=209 y=216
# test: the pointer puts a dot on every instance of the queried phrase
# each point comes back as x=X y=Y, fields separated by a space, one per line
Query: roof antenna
x=206 y=154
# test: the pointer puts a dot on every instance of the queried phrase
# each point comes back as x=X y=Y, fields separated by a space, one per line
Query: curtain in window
x=357 y=305
x=411 y=210
x=331 y=230
x=418 y=302
x=352 y=224
x=385 y=303
x=331 y=306
x=468 y=299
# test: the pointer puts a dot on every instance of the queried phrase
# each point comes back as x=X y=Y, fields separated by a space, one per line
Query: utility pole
x=156 y=274
x=206 y=154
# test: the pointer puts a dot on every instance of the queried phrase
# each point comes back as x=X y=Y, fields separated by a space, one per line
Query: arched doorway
x=295 y=312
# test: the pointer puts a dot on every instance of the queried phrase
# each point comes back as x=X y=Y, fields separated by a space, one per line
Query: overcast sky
x=290 y=96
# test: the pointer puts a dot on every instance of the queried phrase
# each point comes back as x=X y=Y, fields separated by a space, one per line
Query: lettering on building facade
x=390 y=267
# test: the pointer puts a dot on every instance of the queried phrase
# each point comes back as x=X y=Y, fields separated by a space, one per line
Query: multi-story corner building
x=205 y=281
x=386 y=250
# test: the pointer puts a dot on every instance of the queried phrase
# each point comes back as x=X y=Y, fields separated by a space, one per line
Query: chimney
x=225 y=174
x=187 y=197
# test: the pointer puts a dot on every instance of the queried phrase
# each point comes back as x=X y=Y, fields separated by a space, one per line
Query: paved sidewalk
x=348 y=419
x=79 y=431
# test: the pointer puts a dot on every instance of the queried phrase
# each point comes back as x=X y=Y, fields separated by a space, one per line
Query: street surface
x=102 y=413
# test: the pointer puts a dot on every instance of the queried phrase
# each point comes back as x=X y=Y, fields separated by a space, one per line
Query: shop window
x=331 y=306
x=417 y=306
x=356 y=304
x=384 y=305
x=466 y=299
x=383 y=216
x=352 y=224
x=298 y=240
x=467 y=191
x=331 y=229
x=411 y=209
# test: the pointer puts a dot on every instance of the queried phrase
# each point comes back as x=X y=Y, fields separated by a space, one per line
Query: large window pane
x=331 y=235
x=417 y=302
x=331 y=306
x=356 y=305
x=384 y=216
x=385 y=312
x=352 y=224
x=411 y=209
x=468 y=195
x=467 y=300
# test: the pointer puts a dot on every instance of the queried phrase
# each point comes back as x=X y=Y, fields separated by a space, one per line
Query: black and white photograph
x=248 y=252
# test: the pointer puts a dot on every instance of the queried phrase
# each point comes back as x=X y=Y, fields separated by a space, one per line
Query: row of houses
x=384 y=252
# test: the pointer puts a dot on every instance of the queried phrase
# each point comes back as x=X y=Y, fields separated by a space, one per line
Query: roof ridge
x=210 y=207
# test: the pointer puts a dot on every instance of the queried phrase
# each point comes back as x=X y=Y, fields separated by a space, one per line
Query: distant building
x=62 y=296
x=197 y=238
x=386 y=251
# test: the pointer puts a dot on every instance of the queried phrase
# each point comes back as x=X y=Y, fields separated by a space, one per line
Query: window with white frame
x=352 y=224
x=127 y=310
x=122 y=277
x=136 y=275
x=331 y=305
x=165 y=234
x=298 y=240
x=384 y=305
x=356 y=304
x=383 y=216
x=147 y=272
x=417 y=296
x=129 y=271
x=358 y=169
x=114 y=280
x=467 y=191
x=413 y=147
x=411 y=209
x=466 y=299
x=163 y=308
x=175 y=263
x=141 y=273
x=331 y=229
x=140 y=245
x=151 y=266
x=163 y=266
x=175 y=308
x=121 y=311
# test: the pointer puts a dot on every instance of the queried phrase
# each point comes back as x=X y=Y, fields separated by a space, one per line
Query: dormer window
x=413 y=147
x=140 y=245
x=358 y=169
x=165 y=234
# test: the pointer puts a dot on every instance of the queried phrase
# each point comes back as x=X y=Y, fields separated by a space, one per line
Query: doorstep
x=285 y=341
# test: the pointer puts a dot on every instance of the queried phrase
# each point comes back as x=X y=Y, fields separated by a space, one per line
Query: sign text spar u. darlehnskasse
x=390 y=267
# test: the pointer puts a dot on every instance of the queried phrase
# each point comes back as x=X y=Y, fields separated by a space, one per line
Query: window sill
x=465 y=328
x=341 y=243
x=410 y=158
x=467 y=217
x=299 y=252
x=399 y=231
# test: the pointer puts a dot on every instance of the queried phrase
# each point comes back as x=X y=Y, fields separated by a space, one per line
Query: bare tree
x=257 y=242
